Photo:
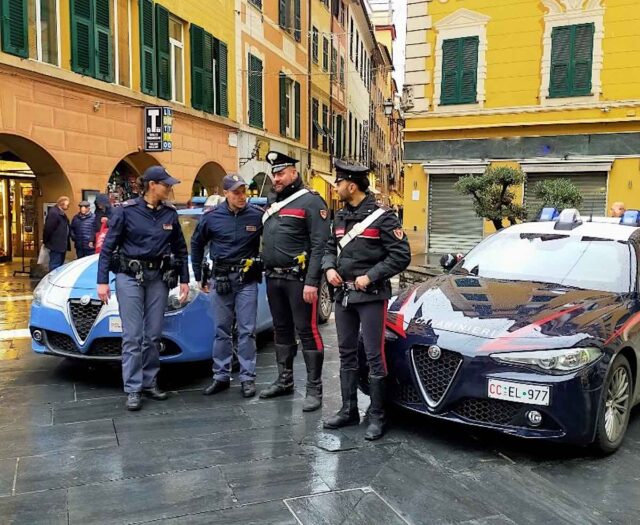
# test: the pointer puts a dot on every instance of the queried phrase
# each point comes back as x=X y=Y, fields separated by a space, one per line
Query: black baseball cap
x=159 y=174
x=232 y=182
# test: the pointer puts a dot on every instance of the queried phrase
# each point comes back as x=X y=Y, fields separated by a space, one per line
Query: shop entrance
x=208 y=180
x=123 y=182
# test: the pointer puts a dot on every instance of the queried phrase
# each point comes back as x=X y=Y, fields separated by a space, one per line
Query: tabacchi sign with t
x=158 y=126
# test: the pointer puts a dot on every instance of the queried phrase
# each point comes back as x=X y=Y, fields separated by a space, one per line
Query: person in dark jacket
x=56 y=236
x=296 y=228
x=367 y=247
x=82 y=233
x=103 y=211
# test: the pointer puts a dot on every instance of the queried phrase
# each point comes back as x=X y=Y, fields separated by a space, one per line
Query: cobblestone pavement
x=71 y=454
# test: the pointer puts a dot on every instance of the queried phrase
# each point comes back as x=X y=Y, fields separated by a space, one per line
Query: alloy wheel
x=617 y=404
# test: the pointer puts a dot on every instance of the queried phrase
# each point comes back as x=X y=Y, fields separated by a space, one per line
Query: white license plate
x=115 y=324
x=520 y=392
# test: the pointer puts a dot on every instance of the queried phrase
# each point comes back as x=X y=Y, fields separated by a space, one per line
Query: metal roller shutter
x=592 y=185
x=453 y=225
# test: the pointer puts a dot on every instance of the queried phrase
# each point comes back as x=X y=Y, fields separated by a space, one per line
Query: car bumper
x=571 y=415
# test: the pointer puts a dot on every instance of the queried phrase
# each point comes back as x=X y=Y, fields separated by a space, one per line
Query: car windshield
x=566 y=260
x=189 y=223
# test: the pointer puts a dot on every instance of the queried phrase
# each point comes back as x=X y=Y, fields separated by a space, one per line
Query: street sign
x=167 y=129
x=153 y=129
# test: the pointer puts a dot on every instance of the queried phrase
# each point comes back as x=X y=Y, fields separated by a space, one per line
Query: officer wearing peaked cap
x=147 y=236
x=366 y=248
x=296 y=228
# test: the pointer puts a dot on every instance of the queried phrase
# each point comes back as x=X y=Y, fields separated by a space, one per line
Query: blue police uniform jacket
x=231 y=236
x=143 y=232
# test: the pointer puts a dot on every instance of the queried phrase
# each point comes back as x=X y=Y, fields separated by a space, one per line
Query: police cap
x=351 y=172
x=159 y=174
x=280 y=161
x=232 y=182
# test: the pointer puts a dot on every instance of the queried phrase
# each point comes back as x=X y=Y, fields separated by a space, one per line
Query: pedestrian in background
x=146 y=232
x=56 y=234
x=232 y=230
x=82 y=233
x=103 y=211
x=296 y=228
x=366 y=248
x=617 y=209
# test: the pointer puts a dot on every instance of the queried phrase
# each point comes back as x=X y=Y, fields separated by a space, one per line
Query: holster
x=251 y=270
x=170 y=267
x=206 y=273
x=223 y=284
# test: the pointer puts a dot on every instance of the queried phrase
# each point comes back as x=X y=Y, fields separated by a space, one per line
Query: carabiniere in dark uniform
x=146 y=250
x=367 y=247
x=296 y=228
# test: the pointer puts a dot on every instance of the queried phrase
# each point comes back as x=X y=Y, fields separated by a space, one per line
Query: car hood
x=505 y=314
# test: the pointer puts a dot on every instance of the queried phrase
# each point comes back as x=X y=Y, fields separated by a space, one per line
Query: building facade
x=551 y=87
x=76 y=79
x=273 y=86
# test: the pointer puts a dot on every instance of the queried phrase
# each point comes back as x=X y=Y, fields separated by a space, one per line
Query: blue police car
x=534 y=333
x=68 y=320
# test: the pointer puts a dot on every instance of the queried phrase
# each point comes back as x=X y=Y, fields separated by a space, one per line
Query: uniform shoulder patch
x=257 y=208
x=209 y=209
x=168 y=205
x=324 y=214
x=129 y=202
x=398 y=233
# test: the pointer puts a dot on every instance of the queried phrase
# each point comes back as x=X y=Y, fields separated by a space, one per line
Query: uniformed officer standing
x=145 y=232
x=296 y=229
x=367 y=247
x=232 y=229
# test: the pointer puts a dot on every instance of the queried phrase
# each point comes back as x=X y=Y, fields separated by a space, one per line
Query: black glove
x=223 y=285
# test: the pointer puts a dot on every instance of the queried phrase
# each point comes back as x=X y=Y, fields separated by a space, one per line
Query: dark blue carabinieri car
x=534 y=333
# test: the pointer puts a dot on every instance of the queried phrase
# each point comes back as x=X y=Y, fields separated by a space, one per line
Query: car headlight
x=562 y=360
x=41 y=291
x=173 y=303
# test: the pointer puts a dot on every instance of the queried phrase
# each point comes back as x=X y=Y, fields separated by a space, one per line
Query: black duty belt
x=226 y=267
x=283 y=270
x=145 y=264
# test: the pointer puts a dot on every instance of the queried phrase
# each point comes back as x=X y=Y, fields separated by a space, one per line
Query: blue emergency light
x=548 y=214
x=631 y=218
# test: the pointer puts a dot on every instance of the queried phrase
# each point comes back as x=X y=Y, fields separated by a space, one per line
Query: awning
x=328 y=178
x=374 y=190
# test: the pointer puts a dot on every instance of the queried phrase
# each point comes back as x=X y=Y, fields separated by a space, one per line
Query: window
x=334 y=61
x=357 y=52
x=30 y=29
x=123 y=48
x=342 y=70
x=459 y=70
x=289 y=17
x=314 y=45
x=208 y=72
x=91 y=41
x=176 y=41
x=255 y=91
x=325 y=129
x=315 y=129
x=325 y=53
x=256 y=3
x=338 y=137
x=351 y=40
x=350 y=148
x=289 y=107
x=571 y=60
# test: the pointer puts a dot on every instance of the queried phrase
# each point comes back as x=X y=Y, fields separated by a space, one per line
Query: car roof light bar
x=631 y=218
x=568 y=219
x=548 y=214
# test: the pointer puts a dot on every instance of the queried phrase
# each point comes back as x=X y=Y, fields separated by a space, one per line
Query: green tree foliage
x=558 y=193
x=493 y=195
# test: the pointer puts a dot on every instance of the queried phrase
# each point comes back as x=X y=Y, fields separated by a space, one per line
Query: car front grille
x=406 y=394
x=61 y=343
x=435 y=375
x=106 y=347
x=84 y=315
x=488 y=410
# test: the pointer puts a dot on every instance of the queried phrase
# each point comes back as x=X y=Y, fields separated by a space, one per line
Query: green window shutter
x=282 y=14
x=296 y=90
x=342 y=71
x=559 y=85
x=469 y=70
x=164 y=50
x=209 y=101
x=255 y=92
x=196 y=35
x=315 y=124
x=222 y=98
x=449 y=88
x=325 y=54
x=103 y=48
x=296 y=21
x=338 y=146
x=147 y=47
x=334 y=61
x=314 y=45
x=82 y=41
x=15 y=34
x=283 y=105
x=582 y=59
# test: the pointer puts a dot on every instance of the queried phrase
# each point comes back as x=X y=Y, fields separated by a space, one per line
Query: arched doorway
x=261 y=185
x=209 y=180
x=123 y=181
x=31 y=180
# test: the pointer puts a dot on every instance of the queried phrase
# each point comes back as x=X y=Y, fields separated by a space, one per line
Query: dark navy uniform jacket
x=380 y=252
x=301 y=226
x=143 y=232
x=231 y=236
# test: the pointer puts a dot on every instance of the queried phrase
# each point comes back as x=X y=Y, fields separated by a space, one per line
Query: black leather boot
x=377 y=420
x=283 y=385
x=313 y=399
x=348 y=414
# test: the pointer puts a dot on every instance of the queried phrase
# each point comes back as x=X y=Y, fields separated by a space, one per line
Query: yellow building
x=78 y=83
x=552 y=87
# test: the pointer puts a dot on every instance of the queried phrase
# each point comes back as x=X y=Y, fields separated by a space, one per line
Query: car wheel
x=325 y=305
x=615 y=407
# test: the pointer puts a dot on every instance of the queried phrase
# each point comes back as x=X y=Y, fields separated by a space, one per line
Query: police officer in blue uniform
x=232 y=230
x=151 y=253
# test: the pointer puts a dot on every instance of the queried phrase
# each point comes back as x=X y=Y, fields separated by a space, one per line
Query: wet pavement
x=71 y=454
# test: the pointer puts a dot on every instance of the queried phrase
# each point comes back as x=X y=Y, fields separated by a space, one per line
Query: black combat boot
x=377 y=420
x=284 y=383
x=348 y=414
x=313 y=399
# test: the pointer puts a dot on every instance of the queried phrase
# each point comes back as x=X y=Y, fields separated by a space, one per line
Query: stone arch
x=41 y=181
x=208 y=181
x=261 y=185
x=122 y=184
